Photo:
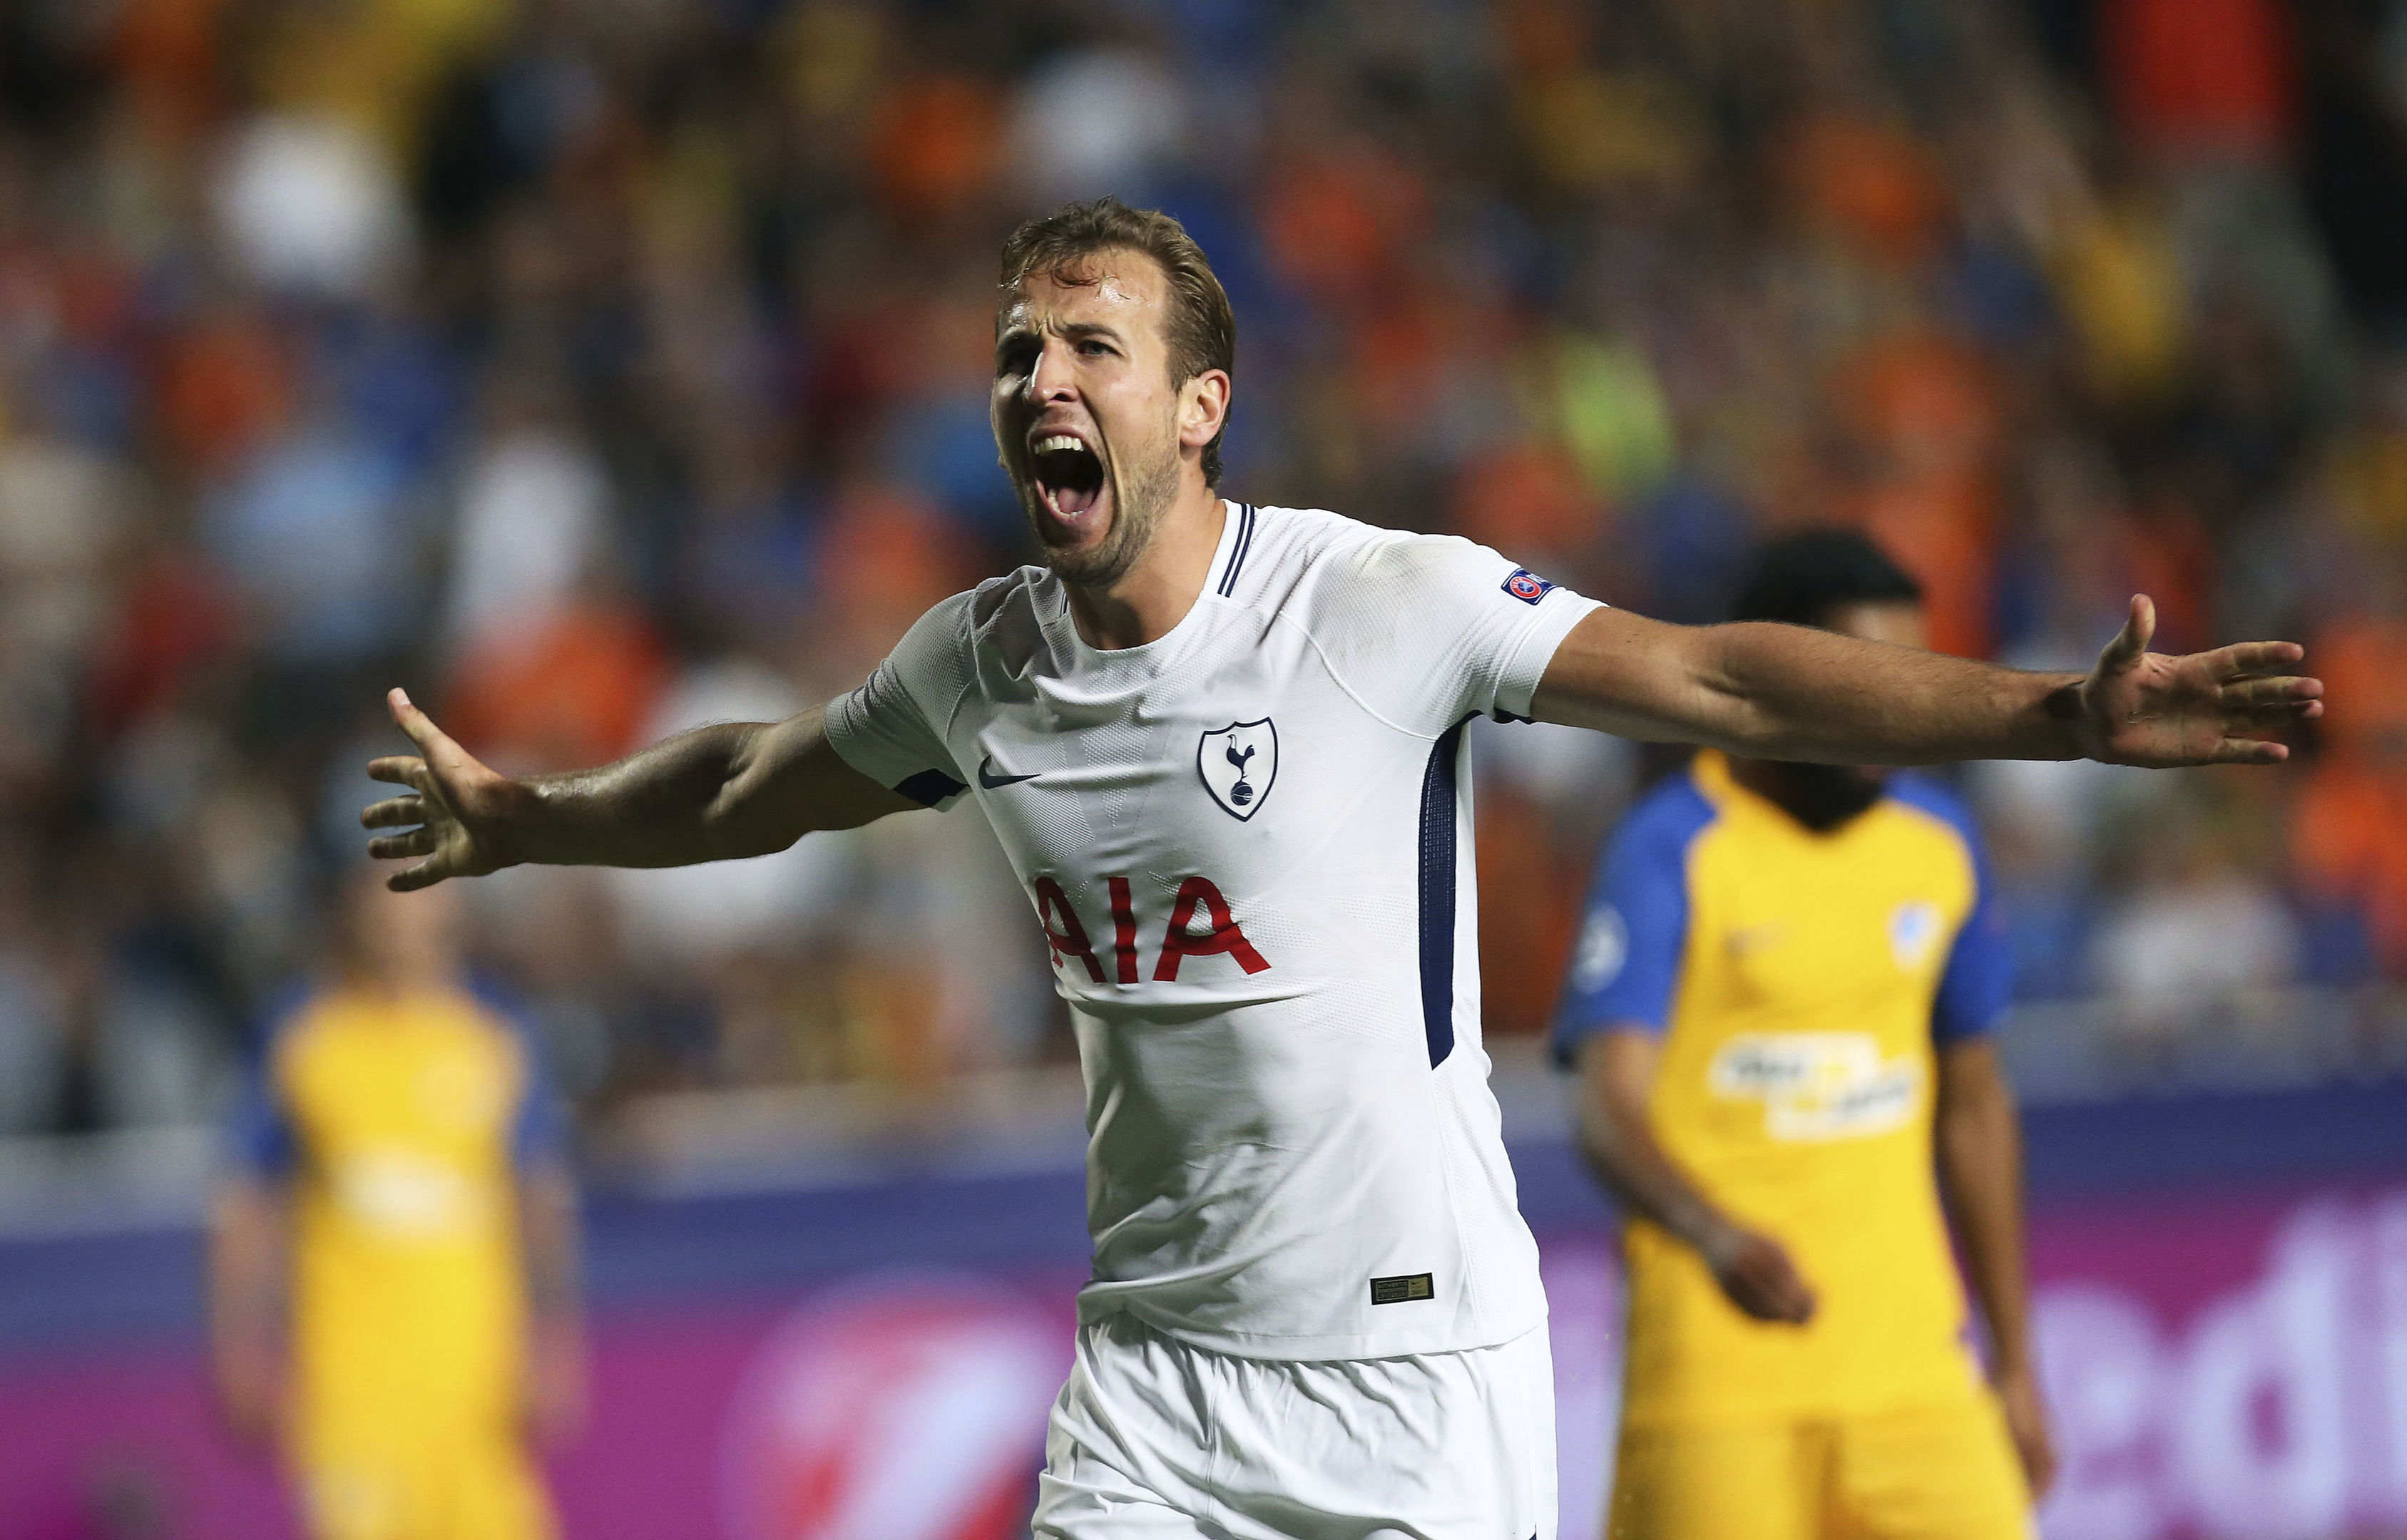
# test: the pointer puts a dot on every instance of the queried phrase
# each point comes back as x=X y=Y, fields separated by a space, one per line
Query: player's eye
x=1093 y=348
x=1015 y=357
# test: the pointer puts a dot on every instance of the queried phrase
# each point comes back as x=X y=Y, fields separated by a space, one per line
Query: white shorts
x=1153 y=1439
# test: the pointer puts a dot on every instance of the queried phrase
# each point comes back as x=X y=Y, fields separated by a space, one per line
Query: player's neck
x=1153 y=595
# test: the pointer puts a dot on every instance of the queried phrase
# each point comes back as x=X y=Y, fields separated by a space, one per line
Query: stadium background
x=599 y=367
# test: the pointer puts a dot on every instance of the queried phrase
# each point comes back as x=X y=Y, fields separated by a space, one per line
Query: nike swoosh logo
x=989 y=780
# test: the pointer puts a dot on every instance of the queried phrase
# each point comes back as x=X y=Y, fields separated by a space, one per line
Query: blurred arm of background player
x=555 y=1385
x=715 y=793
x=1616 y=1074
x=249 y=1260
x=1791 y=692
x=1978 y=1138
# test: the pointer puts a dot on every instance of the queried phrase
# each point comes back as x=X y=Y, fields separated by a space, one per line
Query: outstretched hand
x=2225 y=707
x=457 y=805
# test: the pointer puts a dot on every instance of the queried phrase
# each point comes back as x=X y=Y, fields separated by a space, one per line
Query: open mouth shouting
x=1069 y=479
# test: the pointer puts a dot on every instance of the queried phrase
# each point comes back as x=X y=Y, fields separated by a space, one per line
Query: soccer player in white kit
x=1222 y=746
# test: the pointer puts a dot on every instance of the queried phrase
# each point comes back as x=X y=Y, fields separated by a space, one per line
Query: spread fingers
x=393 y=812
x=418 y=841
x=402 y=769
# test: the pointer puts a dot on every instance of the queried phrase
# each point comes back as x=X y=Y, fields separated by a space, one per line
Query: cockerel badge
x=1238 y=763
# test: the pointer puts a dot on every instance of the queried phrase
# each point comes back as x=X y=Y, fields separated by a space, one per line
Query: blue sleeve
x=1626 y=964
x=1979 y=982
x=260 y=1139
x=539 y=1126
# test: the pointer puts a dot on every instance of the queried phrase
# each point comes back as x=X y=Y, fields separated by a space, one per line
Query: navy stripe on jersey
x=1439 y=792
x=931 y=787
x=1237 y=552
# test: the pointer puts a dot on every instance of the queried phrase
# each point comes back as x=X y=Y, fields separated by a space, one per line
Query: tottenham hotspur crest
x=1238 y=763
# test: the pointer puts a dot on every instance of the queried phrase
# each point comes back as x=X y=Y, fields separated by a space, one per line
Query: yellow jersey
x=1800 y=982
x=400 y=1126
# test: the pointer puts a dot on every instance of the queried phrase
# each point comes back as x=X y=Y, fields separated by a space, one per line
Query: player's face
x=1085 y=414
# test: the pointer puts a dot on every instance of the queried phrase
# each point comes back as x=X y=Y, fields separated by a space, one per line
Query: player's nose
x=1053 y=379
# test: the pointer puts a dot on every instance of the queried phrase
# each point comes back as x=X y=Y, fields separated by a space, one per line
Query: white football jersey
x=1249 y=843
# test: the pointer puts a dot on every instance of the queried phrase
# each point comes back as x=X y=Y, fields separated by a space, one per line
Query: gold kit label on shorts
x=1396 y=1291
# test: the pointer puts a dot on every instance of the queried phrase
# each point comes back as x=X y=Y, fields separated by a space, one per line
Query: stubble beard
x=1137 y=510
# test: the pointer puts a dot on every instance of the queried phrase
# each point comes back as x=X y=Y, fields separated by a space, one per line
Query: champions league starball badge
x=1238 y=762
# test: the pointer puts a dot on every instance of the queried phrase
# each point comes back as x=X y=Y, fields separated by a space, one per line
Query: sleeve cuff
x=1527 y=665
x=910 y=776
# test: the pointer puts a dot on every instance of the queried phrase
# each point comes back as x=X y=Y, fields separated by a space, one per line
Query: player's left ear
x=1203 y=408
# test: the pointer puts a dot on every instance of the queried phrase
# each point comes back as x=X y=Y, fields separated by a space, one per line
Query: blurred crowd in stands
x=596 y=368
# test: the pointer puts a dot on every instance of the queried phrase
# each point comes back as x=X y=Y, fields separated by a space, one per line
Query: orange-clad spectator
x=570 y=687
x=1401 y=366
x=2349 y=843
x=1938 y=531
x=1925 y=404
x=935 y=147
x=2362 y=660
x=1924 y=411
x=2169 y=556
x=1527 y=498
x=1874 y=184
x=1336 y=221
x=223 y=386
x=165 y=54
x=2350 y=836
x=1544 y=38
x=1529 y=909
x=887 y=556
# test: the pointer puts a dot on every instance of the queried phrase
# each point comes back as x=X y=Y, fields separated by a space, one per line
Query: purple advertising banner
x=2217 y=1366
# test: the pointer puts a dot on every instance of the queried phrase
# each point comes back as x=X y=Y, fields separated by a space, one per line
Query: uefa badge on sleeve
x=1238 y=762
x=1527 y=586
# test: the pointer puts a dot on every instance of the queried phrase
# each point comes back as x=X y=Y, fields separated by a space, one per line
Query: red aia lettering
x=1070 y=939
x=1176 y=944
x=1067 y=938
x=1123 y=929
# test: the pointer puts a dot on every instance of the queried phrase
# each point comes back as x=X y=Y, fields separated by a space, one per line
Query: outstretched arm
x=1786 y=692
x=714 y=794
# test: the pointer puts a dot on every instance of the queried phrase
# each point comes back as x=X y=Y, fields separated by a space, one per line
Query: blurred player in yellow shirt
x=393 y=1257
x=1779 y=1015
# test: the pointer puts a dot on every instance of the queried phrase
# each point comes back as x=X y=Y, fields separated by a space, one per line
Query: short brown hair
x=1201 y=329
